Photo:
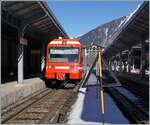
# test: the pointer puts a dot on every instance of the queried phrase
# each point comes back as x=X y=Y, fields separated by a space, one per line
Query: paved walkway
x=86 y=109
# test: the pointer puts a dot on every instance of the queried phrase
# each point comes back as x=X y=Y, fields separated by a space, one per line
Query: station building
x=27 y=27
x=129 y=48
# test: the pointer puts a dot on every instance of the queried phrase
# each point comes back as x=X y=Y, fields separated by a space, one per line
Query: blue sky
x=78 y=17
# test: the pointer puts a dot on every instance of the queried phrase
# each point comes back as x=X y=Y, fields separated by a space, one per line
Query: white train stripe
x=73 y=41
x=55 y=42
x=62 y=67
x=68 y=42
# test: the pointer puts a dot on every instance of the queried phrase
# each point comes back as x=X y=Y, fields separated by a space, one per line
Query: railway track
x=46 y=106
x=129 y=109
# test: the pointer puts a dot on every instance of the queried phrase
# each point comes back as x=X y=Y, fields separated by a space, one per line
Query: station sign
x=23 y=41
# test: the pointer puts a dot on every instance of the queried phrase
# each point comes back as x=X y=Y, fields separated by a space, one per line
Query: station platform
x=12 y=92
x=135 y=82
x=133 y=77
x=87 y=108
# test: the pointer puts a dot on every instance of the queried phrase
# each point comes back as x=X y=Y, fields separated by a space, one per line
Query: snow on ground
x=86 y=109
x=92 y=80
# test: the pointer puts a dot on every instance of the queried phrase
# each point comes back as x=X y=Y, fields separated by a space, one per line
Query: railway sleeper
x=52 y=108
x=14 y=109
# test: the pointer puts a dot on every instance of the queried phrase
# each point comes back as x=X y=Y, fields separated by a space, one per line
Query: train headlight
x=51 y=67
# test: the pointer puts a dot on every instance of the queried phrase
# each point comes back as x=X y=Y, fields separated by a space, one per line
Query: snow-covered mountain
x=100 y=34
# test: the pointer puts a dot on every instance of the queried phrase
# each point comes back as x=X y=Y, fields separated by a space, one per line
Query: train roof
x=67 y=40
x=63 y=39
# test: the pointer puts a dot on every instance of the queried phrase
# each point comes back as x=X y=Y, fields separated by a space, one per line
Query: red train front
x=64 y=60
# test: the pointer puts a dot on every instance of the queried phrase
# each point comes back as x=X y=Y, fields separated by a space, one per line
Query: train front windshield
x=63 y=54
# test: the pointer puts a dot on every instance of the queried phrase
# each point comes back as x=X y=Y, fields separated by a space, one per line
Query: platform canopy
x=134 y=29
x=35 y=15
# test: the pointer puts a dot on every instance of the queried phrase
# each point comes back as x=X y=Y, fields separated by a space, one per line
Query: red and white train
x=64 y=60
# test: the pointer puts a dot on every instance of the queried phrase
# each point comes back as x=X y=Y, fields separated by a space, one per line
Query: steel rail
x=46 y=109
x=18 y=107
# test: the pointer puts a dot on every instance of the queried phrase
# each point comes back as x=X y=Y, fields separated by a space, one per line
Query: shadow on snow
x=92 y=107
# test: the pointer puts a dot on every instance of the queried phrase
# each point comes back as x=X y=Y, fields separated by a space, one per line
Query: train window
x=63 y=54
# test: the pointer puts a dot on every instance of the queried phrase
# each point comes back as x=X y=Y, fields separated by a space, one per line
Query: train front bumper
x=60 y=74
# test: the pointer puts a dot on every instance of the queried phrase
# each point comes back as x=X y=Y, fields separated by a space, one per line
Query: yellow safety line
x=100 y=74
x=100 y=65
x=102 y=99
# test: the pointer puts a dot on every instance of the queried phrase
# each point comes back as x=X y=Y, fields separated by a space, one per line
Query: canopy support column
x=129 y=60
x=143 y=58
x=20 y=58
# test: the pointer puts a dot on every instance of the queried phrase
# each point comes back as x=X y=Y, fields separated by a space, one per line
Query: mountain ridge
x=100 y=34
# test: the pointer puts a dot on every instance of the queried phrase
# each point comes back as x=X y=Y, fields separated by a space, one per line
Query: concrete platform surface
x=12 y=91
